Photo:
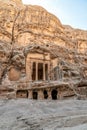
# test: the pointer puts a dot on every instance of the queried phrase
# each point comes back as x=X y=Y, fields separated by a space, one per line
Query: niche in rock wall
x=14 y=74
x=85 y=61
x=22 y=94
x=54 y=94
x=2 y=56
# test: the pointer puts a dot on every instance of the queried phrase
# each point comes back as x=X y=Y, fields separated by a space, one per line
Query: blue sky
x=70 y=12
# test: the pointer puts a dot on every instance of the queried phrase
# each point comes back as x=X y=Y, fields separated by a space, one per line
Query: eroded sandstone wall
x=24 y=25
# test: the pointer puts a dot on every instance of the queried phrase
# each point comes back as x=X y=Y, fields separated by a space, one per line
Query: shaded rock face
x=29 y=34
x=5 y=51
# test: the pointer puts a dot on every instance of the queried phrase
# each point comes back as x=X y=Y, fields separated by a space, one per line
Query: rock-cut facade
x=40 y=58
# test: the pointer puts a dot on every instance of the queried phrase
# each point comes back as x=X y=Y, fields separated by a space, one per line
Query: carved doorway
x=34 y=71
x=35 y=95
x=22 y=94
x=46 y=71
x=45 y=94
x=54 y=94
x=40 y=71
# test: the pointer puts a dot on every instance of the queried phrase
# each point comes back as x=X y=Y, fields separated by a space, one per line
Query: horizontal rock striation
x=28 y=29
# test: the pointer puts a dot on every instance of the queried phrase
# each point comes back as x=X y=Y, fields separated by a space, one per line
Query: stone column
x=51 y=67
x=36 y=71
x=60 y=97
x=31 y=67
x=28 y=71
x=49 y=71
x=44 y=78
x=57 y=74
x=57 y=94
x=49 y=94
x=40 y=95
x=30 y=96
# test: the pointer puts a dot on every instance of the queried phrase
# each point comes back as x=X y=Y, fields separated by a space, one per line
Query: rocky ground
x=24 y=114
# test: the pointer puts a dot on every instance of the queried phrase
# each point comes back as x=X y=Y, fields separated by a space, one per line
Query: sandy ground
x=25 y=114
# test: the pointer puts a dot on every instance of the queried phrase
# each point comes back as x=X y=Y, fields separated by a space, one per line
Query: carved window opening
x=45 y=94
x=34 y=71
x=35 y=95
x=54 y=94
x=46 y=71
x=40 y=71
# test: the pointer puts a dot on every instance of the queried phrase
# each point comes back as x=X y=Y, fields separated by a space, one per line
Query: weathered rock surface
x=23 y=27
x=26 y=114
x=27 y=28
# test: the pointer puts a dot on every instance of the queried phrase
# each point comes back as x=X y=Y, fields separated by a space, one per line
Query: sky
x=70 y=12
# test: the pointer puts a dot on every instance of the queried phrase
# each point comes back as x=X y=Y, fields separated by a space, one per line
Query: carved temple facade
x=41 y=74
x=42 y=82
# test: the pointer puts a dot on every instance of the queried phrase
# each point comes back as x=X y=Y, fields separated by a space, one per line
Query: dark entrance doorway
x=46 y=71
x=54 y=94
x=40 y=71
x=45 y=94
x=35 y=95
x=22 y=94
x=34 y=71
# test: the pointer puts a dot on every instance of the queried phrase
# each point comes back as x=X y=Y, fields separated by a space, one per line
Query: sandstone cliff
x=24 y=25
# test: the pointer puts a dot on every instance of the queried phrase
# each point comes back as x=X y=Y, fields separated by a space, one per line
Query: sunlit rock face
x=24 y=24
x=30 y=35
x=35 y=24
x=31 y=23
x=15 y=1
x=80 y=36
